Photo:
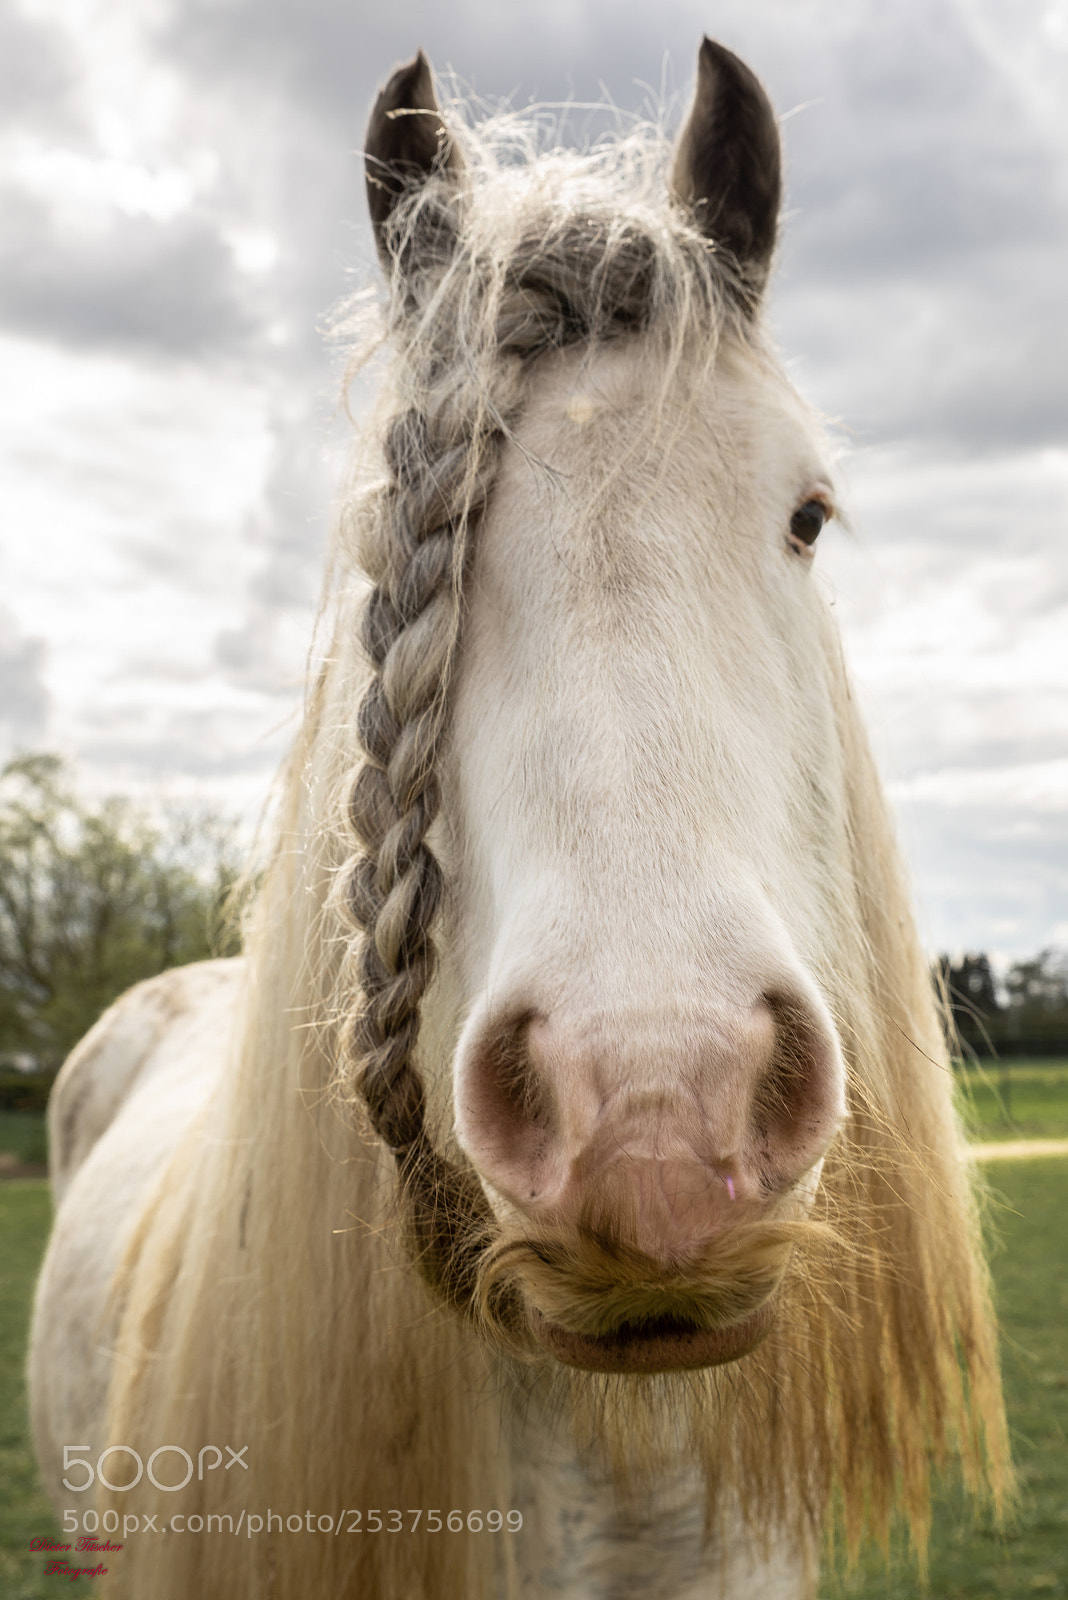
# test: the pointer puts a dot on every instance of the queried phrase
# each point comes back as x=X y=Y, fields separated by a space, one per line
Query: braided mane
x=467 y=326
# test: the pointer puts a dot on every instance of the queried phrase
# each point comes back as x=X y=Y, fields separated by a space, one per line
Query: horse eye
x=807 y=521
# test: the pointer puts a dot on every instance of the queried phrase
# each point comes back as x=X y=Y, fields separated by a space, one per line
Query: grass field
x=969 y=1559
x=25 y=1514
x=1015 y=1100
x=22 y=1134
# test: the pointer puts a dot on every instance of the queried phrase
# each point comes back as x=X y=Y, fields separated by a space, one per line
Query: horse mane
x=268 y=1295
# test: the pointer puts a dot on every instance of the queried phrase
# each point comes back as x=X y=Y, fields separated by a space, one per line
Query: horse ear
x=407 y=139
x=728 y=165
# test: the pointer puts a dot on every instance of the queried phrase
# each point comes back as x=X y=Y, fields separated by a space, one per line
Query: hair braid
x=409 y=629
x=440 y=457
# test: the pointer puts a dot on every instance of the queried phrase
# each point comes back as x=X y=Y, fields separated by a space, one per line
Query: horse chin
x=663 y=1345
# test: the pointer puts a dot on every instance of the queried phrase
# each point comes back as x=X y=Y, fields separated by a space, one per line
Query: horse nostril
x=505 y=1111
x=799 y=1101
x=521 y=1092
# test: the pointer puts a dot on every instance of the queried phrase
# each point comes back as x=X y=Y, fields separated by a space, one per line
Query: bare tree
x=94 y=898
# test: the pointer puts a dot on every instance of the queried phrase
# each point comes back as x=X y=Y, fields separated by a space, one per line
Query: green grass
x=969 y=1559
x=25 y=1218
x=1015 y=1100
x=22 y=1133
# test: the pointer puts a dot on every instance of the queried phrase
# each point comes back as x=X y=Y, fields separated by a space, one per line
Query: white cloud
x=126 y=498
x=80 y=187
x=1035 y=786
x=255 y=250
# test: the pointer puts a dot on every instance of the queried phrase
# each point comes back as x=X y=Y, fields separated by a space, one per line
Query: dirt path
x=1018 y=1149
x=12 y=1167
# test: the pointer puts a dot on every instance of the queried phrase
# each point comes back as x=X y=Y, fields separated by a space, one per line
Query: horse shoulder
x=137 y=1037
x=124 y=1100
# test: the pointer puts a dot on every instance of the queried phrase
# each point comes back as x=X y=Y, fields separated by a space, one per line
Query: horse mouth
x=664 y=1344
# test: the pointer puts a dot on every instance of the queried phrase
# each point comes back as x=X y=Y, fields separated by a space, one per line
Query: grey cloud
x=919 y=155
x=289 y=527
x=942 y=511
x=328 y=59
x=1001 y=874
x=139 y=285
x=208 y=746
x=247 y=654
x=38 y=76
x=970 y=732
x=260 y=658
x=959 y=370
x=24 y=697
x=923 y=266
x=292 y=522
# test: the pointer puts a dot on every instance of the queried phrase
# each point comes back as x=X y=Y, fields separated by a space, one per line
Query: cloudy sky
x=182 y=204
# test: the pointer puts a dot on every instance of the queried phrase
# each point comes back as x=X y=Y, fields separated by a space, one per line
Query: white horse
x=563 y=1197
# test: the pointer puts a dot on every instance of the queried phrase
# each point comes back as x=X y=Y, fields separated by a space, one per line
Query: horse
x=563 y=1195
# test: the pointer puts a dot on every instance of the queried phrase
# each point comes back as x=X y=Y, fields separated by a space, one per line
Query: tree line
x=95 y=897
x=1023 y=1013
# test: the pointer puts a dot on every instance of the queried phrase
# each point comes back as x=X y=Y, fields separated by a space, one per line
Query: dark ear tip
x=728 y=162
x=714 y=58
x=410 y=84
x=407 y=141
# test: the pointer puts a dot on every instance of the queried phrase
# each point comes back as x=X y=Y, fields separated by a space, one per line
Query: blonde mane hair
x=269 y=1296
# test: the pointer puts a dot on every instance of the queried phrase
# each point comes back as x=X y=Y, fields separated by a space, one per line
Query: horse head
x=604 y=673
